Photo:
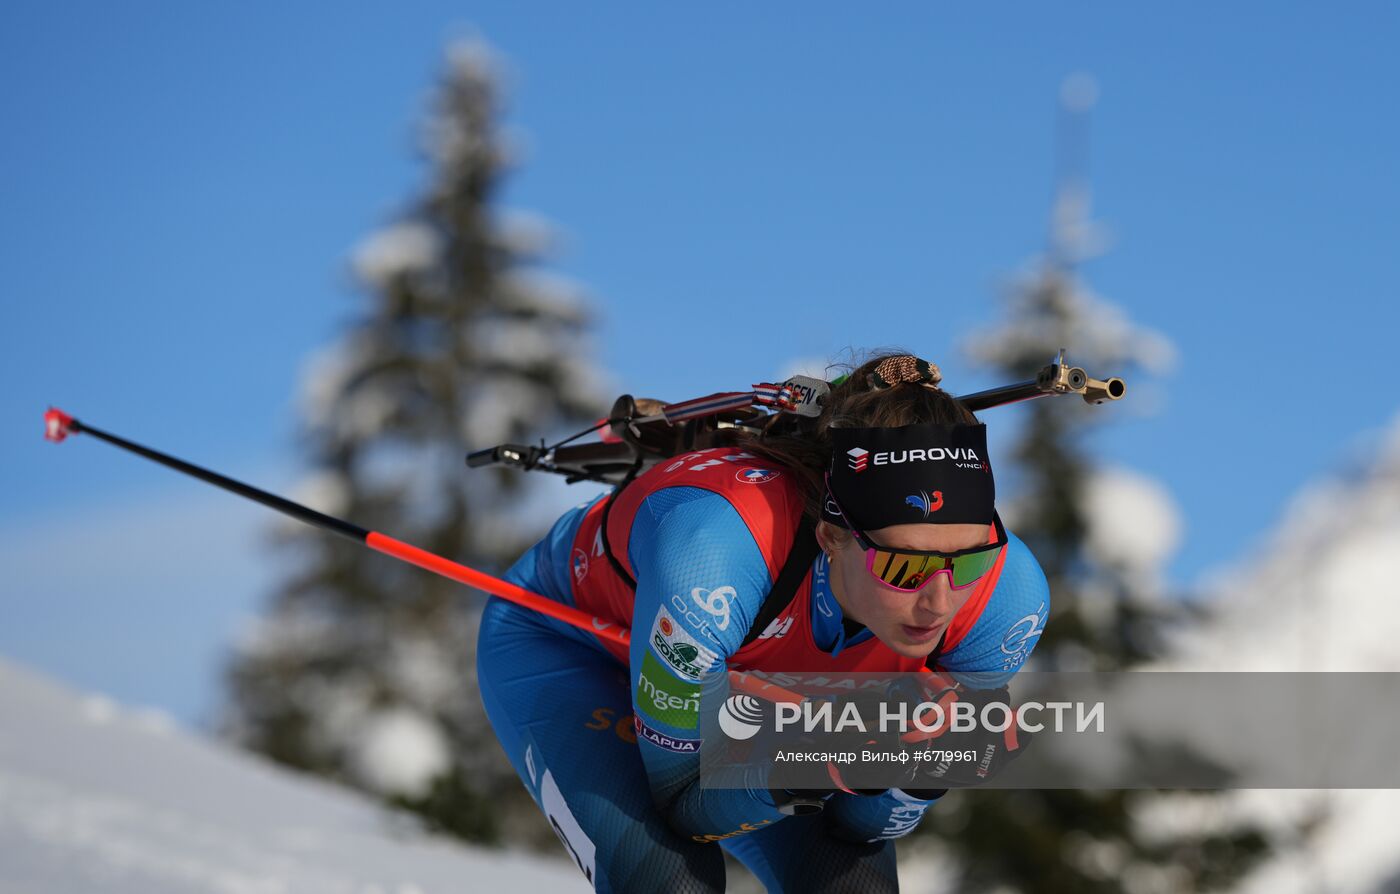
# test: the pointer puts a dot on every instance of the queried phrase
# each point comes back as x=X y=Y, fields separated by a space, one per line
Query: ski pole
x=59 y=425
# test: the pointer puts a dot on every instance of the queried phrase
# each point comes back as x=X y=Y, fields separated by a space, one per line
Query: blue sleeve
x=864 y=818
x=701 y=580
x=1009 y=626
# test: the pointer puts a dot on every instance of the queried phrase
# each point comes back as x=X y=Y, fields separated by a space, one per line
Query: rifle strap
x=799 y=562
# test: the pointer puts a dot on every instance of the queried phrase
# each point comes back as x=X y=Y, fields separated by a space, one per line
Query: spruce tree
x=1103 y=616
x=364 y=667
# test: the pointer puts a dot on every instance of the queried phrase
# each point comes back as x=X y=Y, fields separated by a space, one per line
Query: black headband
x=938 y=474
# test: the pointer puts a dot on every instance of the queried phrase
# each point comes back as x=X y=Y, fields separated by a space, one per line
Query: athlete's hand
x=957 y=758
x=862 y=777
x=810 y=778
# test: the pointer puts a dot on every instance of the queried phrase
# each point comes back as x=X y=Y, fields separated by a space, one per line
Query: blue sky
x=735 y=187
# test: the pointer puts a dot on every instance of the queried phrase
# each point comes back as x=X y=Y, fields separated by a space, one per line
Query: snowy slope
x=96 y=798
x=1320 y=593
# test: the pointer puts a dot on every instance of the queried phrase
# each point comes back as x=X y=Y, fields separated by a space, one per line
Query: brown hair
x=886 y=391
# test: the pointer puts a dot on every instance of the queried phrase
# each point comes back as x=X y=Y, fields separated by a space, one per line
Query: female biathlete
x=869 y=542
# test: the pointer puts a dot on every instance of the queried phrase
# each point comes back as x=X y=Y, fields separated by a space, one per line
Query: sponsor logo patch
x=684 y=610
x=686 y=655
x=962 y=457
x=859 y=458
x=603 y=719
x=777 y=628
x=665 y=699
x=716 y=602
x=756 y=476
x=661 y=740
x=927 y=503
x=905 y=816
x=579 y=561
x=1022 y=637
x=744 y=828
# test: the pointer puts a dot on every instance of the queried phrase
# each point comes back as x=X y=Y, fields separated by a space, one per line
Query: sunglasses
x=911 y=570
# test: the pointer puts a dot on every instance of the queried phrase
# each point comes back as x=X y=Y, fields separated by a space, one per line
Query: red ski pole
x=59 y=425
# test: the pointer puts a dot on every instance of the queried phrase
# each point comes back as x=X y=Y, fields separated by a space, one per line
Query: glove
x=815 y=780
x=860 y=778
x=989 y=751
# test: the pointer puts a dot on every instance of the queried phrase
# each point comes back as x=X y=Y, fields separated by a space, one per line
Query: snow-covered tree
x=1102 y=537
x=364 y=667
x=1314 y=594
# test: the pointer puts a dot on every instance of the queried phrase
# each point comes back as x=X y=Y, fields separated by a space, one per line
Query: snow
x=473 y=66
x=96 y=797
x=399 y=752
x=537 y=291
x=397 y=250
x=421 y=669
x=325 y=490
x=496 y=408
x=519 y=343
x=1134 y=524
x=1318 y=594
x=525 y=233
x=1320 y=589
x=471 y=58
x=1098 y=334
x=582 y=383
x=137 y=597
x=323 y=376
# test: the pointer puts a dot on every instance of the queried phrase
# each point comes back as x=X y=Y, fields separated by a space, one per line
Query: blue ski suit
x=606 y=743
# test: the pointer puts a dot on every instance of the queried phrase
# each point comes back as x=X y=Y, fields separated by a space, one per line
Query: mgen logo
x=860 y=458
